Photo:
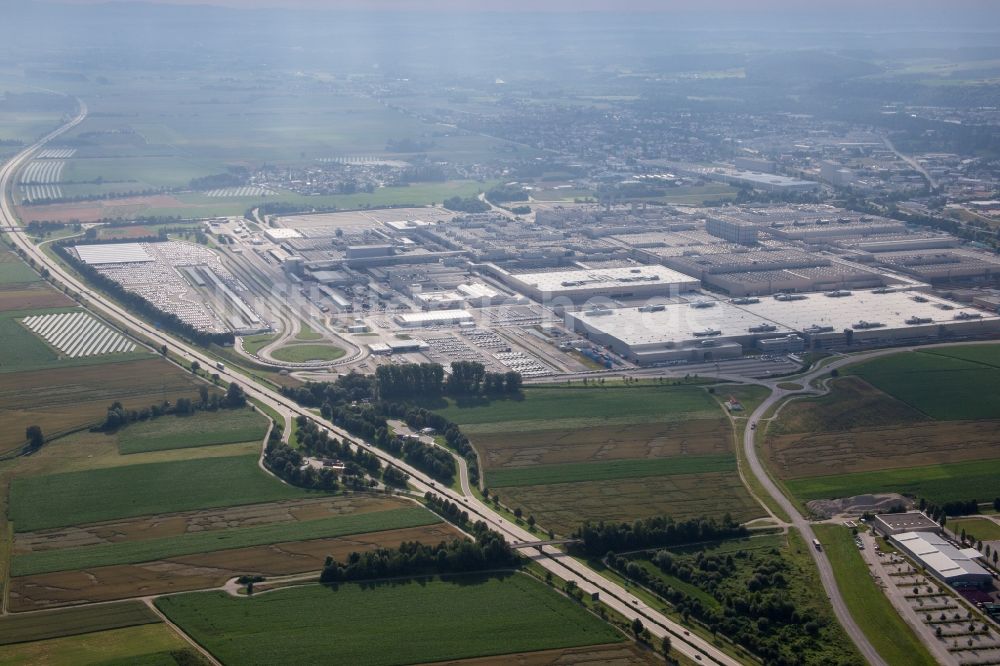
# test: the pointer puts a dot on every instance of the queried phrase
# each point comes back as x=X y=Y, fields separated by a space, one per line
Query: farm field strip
x=608 y=469
x=71 y=621
x=982 y=529
x=131 y=552
x=420 y=621
x=79 y=334
x=148 y=644
x=205 y=428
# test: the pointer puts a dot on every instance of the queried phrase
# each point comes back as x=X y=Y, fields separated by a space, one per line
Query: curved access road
x=613 y=595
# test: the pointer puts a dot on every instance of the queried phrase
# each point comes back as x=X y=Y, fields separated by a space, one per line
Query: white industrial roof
x=676 y=322
x=433 y=316
x=114 y=253
x=891 y=309
x=282 y=233
x=604 y=278
x=938 y=554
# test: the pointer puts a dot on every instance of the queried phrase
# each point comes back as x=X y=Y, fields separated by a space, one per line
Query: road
x=915 y=165
x=560 y=564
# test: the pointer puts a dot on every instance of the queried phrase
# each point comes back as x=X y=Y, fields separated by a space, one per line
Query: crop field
x=920 y=423
x=563 y=506
x=31 y=296
x=935 y=483
x=946 y=388
x=889 y=634
x=150 y=644
x=205 y=570
x=72 y=621
x=568 y=454
x=224 y=426
x=131 y=552
x=74 y=498
x=78 y=334
x=301 y=353
x=15 y=271
x=609 y=470
x=419 y=621
x=204 y=521
x=65 y=398
x=545 y=446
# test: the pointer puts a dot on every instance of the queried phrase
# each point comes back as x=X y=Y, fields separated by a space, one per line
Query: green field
x=307 y=334
x=935 y=483
x=129 y=552
x=303 y=353
x=984 y=354
x=982 y=529
x=944 y=387
x=609 y=469
x=586 y=405
x=21 y=628
x=149 y=645
x=224 y=426
x=15 y=271
x=873 y=612
x=74 y=498
x=253 y=343
x=417 y=622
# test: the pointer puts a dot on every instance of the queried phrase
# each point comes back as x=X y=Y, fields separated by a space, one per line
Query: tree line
x=488 y=551
x=655 y=532
x=118 y=415
x=419 y=418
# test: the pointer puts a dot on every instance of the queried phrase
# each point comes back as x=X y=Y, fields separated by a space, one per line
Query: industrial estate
x=332 y=362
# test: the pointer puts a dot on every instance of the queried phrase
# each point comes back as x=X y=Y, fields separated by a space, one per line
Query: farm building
x=952 y=565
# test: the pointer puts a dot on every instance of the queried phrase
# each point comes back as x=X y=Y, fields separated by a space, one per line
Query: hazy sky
x=795 y=6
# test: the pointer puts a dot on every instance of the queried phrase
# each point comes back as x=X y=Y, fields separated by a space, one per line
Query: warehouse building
x=691 y=332
x=433 y=318
x=955 y=566
x=891 y=524
x=578 y=285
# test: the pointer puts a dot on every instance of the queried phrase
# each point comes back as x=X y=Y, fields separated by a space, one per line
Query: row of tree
x=409 y=380
x=471 y=378
x=655 y=532
x=119 y=416
x=419 y=418
x=489 y=551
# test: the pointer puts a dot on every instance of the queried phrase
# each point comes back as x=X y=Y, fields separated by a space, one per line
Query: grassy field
x=873 y=612
x=75 y=498
x=225 y=426
x=73 y=621
x=307 y=334
x=205 y=542
x=608 y=470
x=983 y=354
x=150 y=645
x=299 y=353
x=942 y=387
x=419 y=621
x=254 y=343
x=586 y=405
x=982 y=529
x=15 y=271
x=936 y=483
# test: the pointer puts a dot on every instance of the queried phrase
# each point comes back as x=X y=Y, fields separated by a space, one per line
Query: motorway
x=550 y=558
